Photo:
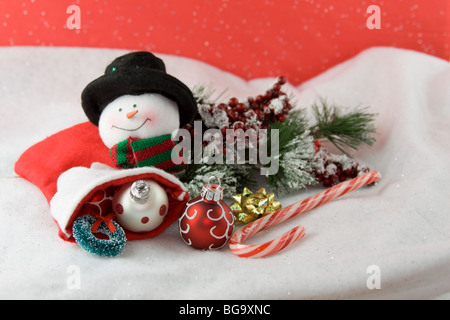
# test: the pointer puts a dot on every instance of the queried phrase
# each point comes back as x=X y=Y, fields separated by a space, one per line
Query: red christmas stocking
x=74 y=171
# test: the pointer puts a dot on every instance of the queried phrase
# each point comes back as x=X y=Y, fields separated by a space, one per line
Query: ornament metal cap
x=140 y=191
x=212 y=191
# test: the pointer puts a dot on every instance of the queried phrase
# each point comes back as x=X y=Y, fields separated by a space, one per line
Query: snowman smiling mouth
x=148 y=119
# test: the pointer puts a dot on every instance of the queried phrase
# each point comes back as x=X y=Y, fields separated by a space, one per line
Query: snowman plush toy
x=137 y=106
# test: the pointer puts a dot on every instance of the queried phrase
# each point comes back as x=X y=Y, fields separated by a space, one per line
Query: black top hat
x=136 y=73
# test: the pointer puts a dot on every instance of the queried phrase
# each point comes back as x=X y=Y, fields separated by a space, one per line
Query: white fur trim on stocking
x=75 y=184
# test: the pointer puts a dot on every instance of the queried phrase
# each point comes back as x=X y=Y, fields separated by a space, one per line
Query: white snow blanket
x=388 y=241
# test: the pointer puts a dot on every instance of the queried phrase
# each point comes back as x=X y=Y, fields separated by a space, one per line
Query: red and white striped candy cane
x=286 y=239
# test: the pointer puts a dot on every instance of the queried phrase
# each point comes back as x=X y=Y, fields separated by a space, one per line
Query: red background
x=250 y=38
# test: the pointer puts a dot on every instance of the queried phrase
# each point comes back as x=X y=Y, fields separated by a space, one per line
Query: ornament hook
x=212 y=177
x=140 y=191
x=212 y=192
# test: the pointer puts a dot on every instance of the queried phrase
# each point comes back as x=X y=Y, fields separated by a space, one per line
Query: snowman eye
x=120 y=109
x=134 y=106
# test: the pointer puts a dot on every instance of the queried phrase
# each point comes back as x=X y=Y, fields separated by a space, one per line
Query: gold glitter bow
x=249 y=206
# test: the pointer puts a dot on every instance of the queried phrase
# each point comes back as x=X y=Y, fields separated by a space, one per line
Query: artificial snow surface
x=399 y=228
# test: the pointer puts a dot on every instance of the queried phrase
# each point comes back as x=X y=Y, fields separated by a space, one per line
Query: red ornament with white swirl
x=207 y=221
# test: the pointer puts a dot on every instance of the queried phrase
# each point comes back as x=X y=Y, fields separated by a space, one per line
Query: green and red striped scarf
x=152 y=152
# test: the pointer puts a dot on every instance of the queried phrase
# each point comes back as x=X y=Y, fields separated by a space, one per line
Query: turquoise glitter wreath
x=83 y=235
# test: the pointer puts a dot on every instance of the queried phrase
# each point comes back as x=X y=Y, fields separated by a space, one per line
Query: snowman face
x=143 y=116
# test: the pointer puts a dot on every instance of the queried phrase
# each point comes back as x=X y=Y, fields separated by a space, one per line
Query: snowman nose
x=131 y=113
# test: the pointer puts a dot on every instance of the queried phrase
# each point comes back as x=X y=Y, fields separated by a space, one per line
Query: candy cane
x=286 y=239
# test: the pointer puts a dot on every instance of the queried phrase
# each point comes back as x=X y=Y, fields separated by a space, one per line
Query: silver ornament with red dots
x=140 y=206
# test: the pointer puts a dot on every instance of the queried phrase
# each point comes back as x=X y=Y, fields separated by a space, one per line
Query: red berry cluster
x=253 y=113
x=257 y=112
x=332 y=169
